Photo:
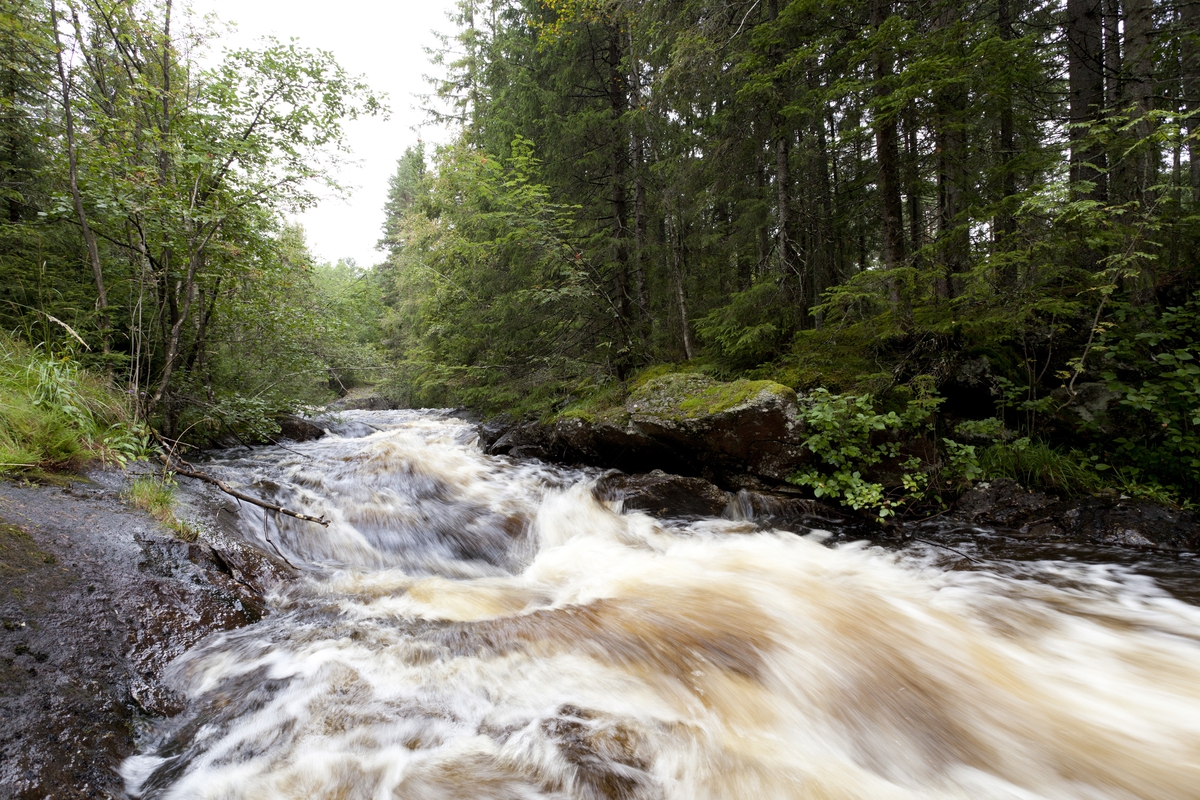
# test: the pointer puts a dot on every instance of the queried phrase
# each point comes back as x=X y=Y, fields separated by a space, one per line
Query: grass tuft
x=156 y=496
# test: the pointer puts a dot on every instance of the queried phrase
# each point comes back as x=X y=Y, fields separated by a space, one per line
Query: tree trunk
x=1189 y=13
x=950 y=103
x=1085 y=66
x=620 y=205
x=89 y=238
x=888 y=157
x=675 y=234
x=1006 y=223
x=639 y=200
x=1139 y=93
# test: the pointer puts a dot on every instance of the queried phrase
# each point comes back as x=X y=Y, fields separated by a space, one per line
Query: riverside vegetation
x=972 y=226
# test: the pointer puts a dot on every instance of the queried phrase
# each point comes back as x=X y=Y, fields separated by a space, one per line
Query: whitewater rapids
x=474 y=627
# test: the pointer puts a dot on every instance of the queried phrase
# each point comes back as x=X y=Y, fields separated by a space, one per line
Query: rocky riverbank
x=95 y=600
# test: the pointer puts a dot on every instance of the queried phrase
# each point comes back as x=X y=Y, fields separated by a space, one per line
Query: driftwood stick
x=180 y=467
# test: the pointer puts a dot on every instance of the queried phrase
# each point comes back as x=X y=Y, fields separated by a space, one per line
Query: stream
x=478 y=627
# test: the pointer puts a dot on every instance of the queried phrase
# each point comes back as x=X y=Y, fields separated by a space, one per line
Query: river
x=475 y=627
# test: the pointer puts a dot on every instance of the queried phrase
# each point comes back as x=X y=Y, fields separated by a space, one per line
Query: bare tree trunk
x=1189 y=13
x=950 y=102
x=620 y=204
x=675 y=234
x=639 y=199
x=1085 y=65
x=89 y=238
x=1139 y=92
x=888 y=157
x=1006 y=223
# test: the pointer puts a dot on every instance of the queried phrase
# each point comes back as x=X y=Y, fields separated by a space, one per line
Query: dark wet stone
x=1106 y=519
x=1001 y=502
x=298 y=429
x=96 y=600
x=663 y=495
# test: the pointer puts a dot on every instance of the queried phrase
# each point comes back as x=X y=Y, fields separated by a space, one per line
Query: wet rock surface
x=1113 y=520
x=299 y=429
x=95 y=600
x=663 y=495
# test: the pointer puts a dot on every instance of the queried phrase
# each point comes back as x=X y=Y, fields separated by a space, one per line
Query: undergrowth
x=54 y=415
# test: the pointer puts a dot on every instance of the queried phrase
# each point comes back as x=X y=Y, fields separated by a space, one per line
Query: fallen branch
x=181 y=467
x=189 y=471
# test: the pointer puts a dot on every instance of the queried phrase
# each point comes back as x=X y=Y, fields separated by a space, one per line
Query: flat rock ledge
x=96 y=599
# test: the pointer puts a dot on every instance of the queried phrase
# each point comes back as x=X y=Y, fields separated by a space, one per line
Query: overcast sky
x=381 y=40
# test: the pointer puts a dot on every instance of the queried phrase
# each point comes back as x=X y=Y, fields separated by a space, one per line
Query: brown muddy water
x=474 y=627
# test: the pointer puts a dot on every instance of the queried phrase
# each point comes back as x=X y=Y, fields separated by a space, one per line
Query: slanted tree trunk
x=89 y=237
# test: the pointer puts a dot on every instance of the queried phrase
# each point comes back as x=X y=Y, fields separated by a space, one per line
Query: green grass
x=56 y=416
x=156 y=496
x=1037 y=465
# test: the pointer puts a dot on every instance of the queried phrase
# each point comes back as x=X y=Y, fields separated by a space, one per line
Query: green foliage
x=851 y=439
x=1038 y=465
x=492 y=292
x=1151 y=361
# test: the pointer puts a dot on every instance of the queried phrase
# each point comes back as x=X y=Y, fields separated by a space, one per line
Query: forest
x=995 y=204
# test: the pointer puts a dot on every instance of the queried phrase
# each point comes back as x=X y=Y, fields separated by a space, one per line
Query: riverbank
x=95 y=600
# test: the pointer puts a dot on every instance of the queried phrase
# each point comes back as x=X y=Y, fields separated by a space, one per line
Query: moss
x=692 y=395
x=19 y=553
x=604 y=406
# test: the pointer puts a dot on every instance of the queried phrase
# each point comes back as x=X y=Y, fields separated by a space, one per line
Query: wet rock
x=96 y=599
x=492 y=429
x=298 y=429
x=528 y=440
x=751 y=424
x=663 y=495
x=364 y=402
x=742 y=434
x=1001 y=502
x=1107 y=519
x=776 y=511
x=1110 y=520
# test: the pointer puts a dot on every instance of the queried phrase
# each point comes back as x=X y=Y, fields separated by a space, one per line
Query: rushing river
x=474 y=627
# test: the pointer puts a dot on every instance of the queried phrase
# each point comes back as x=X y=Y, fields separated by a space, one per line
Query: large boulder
x=740 y=434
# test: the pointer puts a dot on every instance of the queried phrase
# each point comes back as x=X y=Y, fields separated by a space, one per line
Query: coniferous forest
x=995 y=204
x=999 y=200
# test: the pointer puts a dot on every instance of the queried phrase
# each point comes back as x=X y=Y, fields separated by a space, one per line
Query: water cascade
x=474 y=627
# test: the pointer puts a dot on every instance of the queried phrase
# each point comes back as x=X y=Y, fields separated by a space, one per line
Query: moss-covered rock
x=692 y=396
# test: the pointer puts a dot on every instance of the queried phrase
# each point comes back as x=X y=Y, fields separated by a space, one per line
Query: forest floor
x=95 y=600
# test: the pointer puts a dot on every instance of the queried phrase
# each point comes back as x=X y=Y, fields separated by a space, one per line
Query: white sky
x=381 y=40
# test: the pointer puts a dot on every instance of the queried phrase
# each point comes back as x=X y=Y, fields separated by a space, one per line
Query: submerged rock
x=298 y=429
